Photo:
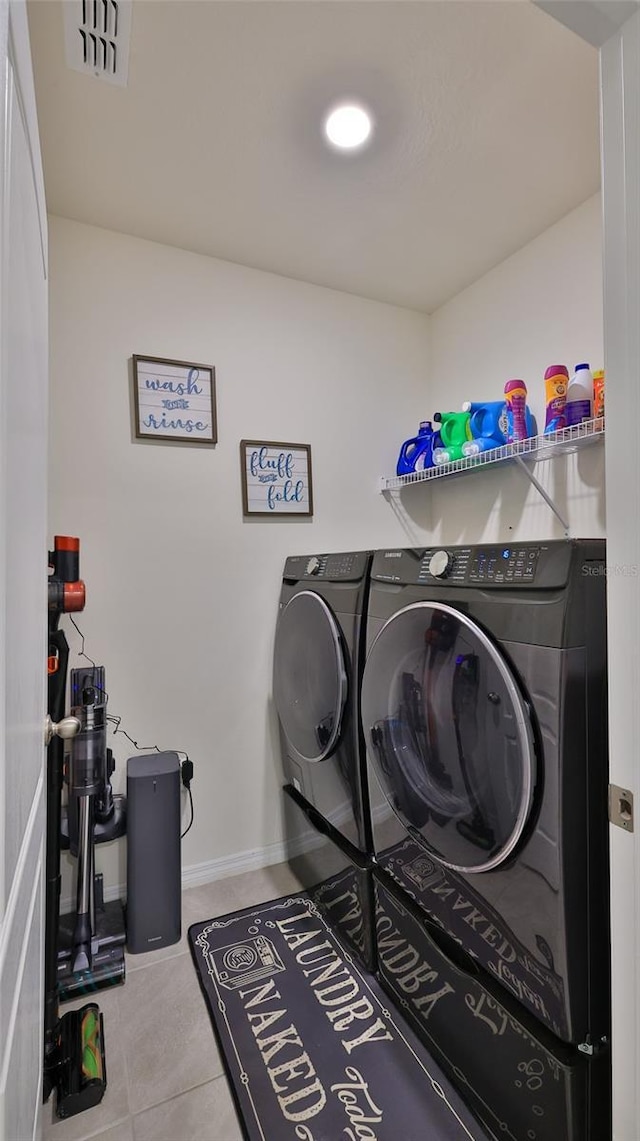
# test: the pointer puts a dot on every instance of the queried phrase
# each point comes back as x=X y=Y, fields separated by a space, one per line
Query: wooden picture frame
x=174 y=400
x=276 y=479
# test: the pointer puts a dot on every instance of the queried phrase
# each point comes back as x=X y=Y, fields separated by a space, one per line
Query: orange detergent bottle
x=598 y=394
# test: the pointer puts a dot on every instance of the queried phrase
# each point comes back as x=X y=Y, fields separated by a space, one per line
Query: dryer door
x=449 y=735
x=310 y=677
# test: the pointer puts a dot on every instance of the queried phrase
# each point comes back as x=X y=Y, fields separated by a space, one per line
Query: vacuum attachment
x=81 y=1079
x=66 y=589
x=107 y=969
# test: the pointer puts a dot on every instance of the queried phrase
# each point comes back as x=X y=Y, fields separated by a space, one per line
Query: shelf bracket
x=547 y=498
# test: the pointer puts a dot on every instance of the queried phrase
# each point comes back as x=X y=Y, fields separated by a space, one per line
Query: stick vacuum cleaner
x=74 y=1062
x=90 y=940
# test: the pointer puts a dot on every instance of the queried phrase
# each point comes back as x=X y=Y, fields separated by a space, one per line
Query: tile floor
x=165 y=1078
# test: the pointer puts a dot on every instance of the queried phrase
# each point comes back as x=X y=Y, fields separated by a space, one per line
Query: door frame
x=620 y=126
x=23 y=538
x=614 y=27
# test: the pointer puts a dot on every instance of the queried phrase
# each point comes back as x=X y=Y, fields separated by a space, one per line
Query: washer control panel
x=545 y=565
x=449 y=566
x=504 y=564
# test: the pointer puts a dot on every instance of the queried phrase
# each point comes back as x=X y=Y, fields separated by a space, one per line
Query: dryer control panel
x=349 y=566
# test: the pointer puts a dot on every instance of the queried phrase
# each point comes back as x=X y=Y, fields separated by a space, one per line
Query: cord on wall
x=186 y=765
x=186 y=772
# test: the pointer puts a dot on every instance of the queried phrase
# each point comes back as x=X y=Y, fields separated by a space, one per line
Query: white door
x=23 y=583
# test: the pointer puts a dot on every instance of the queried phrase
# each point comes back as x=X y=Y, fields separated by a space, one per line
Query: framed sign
x=174 y=400
x=276 y=478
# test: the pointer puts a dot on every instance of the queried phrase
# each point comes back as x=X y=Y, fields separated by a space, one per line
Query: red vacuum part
x=74 y=596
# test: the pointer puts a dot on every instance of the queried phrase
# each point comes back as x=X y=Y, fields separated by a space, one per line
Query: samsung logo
x=393 y=554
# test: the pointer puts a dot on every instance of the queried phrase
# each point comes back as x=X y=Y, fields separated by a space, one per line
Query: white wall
x=542 y=306
x=181 y=592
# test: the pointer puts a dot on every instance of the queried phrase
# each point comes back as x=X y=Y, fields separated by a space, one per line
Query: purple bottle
x=556 y=379
x=515 y=394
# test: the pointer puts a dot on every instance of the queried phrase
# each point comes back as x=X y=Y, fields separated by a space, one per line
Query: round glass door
x=449 y=735
x=310 y=678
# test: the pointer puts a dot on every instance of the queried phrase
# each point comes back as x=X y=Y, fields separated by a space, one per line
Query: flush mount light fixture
x=348 y=126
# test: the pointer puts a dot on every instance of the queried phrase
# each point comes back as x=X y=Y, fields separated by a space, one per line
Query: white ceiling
x=487 y=133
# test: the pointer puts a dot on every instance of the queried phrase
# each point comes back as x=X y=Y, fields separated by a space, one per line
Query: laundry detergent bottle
x=556 y=379
x=416 y=454
x=580 y=395
x=487 y=425
x=598 y=394
x=515 y=394
x=455 y=431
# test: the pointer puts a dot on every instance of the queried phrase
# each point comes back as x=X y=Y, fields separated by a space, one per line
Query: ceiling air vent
x=97 y=34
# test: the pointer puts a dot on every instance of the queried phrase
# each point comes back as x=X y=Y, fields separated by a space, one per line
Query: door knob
x=66 y=728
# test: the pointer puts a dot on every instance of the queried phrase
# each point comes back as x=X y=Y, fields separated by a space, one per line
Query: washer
x=318 y=661
x=484 y=717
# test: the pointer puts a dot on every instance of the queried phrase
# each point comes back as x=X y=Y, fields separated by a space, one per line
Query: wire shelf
x=559 y=443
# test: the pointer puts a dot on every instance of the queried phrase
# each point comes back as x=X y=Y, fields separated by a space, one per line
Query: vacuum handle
x=67 y=728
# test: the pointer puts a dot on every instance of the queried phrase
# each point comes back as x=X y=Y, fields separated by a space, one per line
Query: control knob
x=313 y=565
x=440 y=564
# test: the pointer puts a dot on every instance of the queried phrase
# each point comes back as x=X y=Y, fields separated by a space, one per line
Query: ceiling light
x=348 y=126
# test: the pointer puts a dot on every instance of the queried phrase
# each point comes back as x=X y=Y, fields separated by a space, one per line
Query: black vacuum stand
x=74 y=1061
x=91 y=940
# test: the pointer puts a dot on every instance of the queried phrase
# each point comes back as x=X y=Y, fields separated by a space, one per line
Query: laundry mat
x=312 y=1050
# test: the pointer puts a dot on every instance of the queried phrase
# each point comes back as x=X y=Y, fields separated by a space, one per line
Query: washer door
x=449 y=735
x=310 y=677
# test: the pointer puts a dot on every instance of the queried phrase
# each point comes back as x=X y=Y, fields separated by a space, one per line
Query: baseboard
x=221 y=868
x=234 y=865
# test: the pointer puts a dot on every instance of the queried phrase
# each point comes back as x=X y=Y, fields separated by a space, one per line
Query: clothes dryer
x=318 y=661
x=483 y=710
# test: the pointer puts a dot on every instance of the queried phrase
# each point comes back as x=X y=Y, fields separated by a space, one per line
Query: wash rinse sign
x=174 y=400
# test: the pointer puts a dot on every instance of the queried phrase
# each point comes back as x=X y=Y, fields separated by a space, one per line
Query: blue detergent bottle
x=492 y=424
x=488 y=421
x=417 y=453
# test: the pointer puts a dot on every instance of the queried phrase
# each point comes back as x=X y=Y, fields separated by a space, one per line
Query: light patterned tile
x=168 y=1039
x=236 y=892
x=121 y=1132
x=203 y=1114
